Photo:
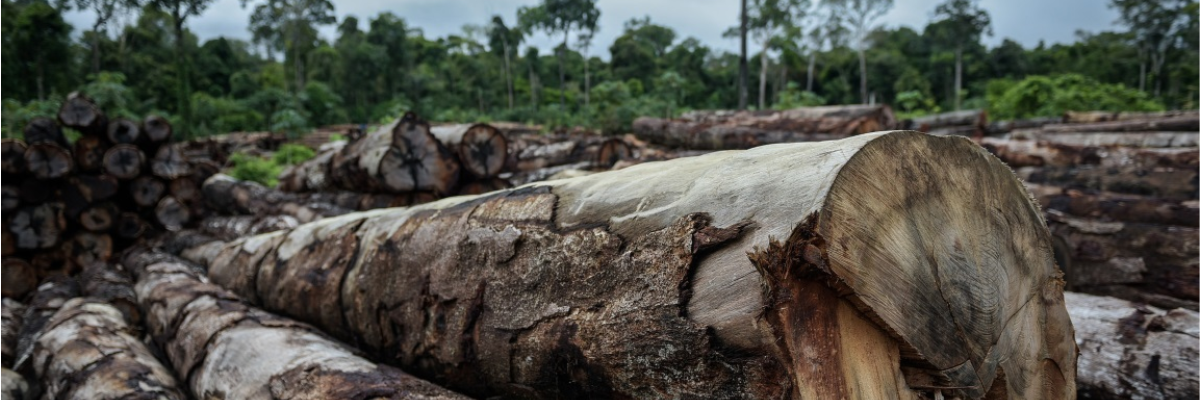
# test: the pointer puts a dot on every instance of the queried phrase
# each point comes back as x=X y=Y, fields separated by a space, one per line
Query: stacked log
x=69 y=204
x=536 y=157
x=970 y=123
x=725 y=130
x=225 y=349
x=829 y=266
x=14 y=385
x=1124 y=217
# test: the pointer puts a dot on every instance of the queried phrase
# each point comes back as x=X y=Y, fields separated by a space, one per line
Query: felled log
x=38 y=227
x=147 y=190
x=613 y=151
x=13 y=314
x=311 y=175
x=48 y=161
x=974 y=120
x=89 y=153
x=124 y=131
x=19 y=278
x=1141 y=262
x=1002 y=127
x=111 y=284
x=238 y=226
x=124 y=161
x=735 y=274
x=100 y=217
x=11 y=198
x=1103 y=116
x=224 y=348
x=1186 y=123
x=88 y=350
x=172 y=214
x=82 y=114
x=232 y=196
x=1026 y=153
x=42 y=130
x=86 y=248
x=83 y=191
x=1132 y=351
x=723 y=130
x=481 y=148
x=50 y=296
x=12 y=157
x=1135 y=139
x=1116 y=207
x=170 y=163
x=1171 y=184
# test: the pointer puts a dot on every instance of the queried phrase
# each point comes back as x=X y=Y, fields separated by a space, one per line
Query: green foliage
x=109 y=92
x=251 y=168
x=337 y=137
x=15 y=114
x=793 y=97
x=292 y=154
x=290 y=122
x=216 y=115
x=1041 y=96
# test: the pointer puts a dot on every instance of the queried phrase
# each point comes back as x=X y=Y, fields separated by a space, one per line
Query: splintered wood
x=886 y=265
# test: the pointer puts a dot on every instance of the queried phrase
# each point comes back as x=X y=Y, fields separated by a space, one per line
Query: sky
x=1025 y=21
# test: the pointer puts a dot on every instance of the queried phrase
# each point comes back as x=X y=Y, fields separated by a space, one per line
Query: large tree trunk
x=762 y=78
x=224 y=348
x=1131 y=351
x=976 y=119
x=958 y=78
x=823 y=283
x=743 y=73
x=862 y=74
x=724 y=130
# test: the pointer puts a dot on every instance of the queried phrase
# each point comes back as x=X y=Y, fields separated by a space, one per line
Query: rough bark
x=715 y=293
x=1030 y=153
x=481 y=148
x=1170 y=184
x=1131 y=351
x=225 y=348
x=420 y=161
x=47 y=300
x=724 y=130
x=13 y=316
x=1104 y=116
x=239 y=226
x=1141 y=262
x=1188 y=123
x=82 y=114
x=88 y=350
x=19 y=278
x=124 y=161
x=1116 y=207
x=48 y=161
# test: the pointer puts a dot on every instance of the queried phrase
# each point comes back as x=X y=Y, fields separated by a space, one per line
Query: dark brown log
x=19 y=279
x=1116 y=207
x=48 y=161
x=35 y=191
x=172 y=214
x=1104 y=116
x=12 y=157
x=89 y=153
x=130 y=226
x=156 y=129
x=207 y=332
x=100 y=217
x=975 y=120
x=1162 y=183
x=124 y=131
x=1130 y=351
x=612 y=152
x=13 y=316
x=112 y=284
x=42 y=130
x=185 y=190
x=38 y=227
x=87 y=248
x=1189 y=123
x=170 y=163
x=87 y=350
x=723 y=130
x=147 y=190
x=11 y=197
x=417 y=161
x=1026 y=153
x=124 y=161
x=54 y=262
x=82 y=114
x=549 y=290
x=1141 y=262
x=481 y=148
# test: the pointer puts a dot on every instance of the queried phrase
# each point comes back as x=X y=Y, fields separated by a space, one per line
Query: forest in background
x=139 y=58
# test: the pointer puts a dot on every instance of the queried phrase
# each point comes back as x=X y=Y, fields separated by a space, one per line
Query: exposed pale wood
x=19 y=278
x=81 y=113
x=124 y=161
x=1132 y=351
x=38 y=227
x=233 y=196
x=156 y=129
x=48 y=161
x=47 y=300
x=481 y=148
x=42 y=130
x=820 y=255
x=170 y=163
x=112 y=285
x=88 y=351
x=124 y=131
x=12 y=157
x=227 y=349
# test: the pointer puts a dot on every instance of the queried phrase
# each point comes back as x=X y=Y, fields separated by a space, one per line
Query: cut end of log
x=483 y=150
x=157 y=129
x=124 y=161
x=124 y=131
x=48 y=161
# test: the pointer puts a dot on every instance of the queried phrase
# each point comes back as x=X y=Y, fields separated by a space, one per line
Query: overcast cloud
x=1026 y=21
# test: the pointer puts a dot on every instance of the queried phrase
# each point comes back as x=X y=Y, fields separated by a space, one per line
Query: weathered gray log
x=1132 y=351
x=13 y=314
x=1185 y=123
x=227 y=349
x=1134 y=139
x=38 y=227
x=976 y=119
x=723 y=130
x=47 y=300
x=111 y=284
x=88 y=350
x=1171 y=184
x=172 y=214
x=481 y=148
x=735 y=274
x=1025 y=153
x=1103 y=116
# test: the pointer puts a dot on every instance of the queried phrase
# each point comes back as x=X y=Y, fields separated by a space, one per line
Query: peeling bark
x=227 y=349
x=906 y=262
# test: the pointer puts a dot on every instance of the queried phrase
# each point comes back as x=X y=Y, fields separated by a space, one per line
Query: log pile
x=666 y=280
x=726 y=129
x=970 y=123
x=1124 y=213
x=67 y=204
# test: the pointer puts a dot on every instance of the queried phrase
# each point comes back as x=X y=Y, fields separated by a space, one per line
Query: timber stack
x=68 y=204
x=665 y=280
x=1120 y=195
x=969 y=123
x=727 y=130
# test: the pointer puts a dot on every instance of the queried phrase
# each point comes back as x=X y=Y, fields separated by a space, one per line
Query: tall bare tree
x=505 y=40
x=964 y=22
x=105 y=10
x=1156 y=26
x=290 y=26
x=561 y=17
x=180 y=11
x=860 y=17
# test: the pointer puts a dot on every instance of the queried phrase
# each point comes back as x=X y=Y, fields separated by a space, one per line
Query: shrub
x=1045 y=96
x=250 y=168
x=292 y=154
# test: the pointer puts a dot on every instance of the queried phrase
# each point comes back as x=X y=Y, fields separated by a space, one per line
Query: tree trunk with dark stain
x=799 y=270
x=124 y=161
x=225 y=348
x=81 y=113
